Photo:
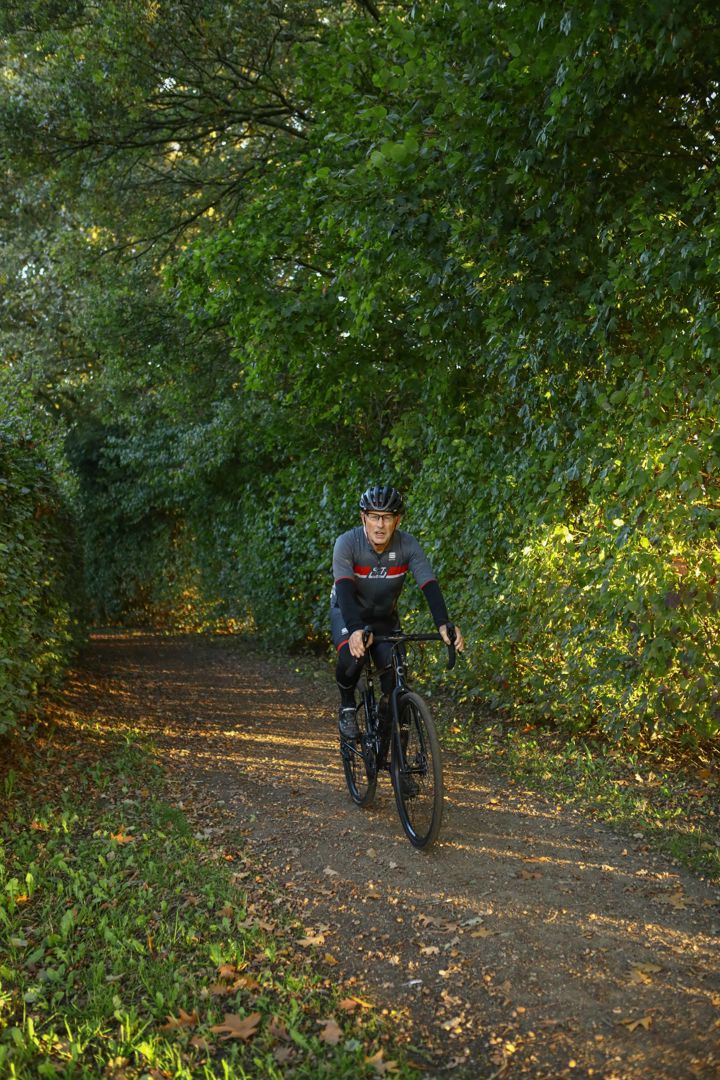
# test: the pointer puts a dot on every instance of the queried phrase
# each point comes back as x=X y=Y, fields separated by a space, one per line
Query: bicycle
x=403 y=742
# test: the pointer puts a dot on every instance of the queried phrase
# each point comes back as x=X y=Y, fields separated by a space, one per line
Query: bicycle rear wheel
x=358 y=761
x=416 y=771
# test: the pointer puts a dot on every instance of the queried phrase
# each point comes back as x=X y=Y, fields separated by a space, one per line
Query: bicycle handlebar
x=399 y=637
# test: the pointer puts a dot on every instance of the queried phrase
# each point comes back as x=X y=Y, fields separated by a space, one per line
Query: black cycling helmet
x=383 y=499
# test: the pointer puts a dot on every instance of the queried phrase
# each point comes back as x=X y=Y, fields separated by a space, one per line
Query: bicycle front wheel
x=416 y=771
x=359 y=764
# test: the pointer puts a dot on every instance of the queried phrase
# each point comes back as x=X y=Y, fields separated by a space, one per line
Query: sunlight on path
x=527 y=938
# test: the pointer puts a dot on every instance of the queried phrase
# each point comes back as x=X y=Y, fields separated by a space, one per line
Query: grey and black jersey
x=377 y=578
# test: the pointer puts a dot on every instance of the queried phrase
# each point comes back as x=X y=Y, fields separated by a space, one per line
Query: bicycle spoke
x=361 y=781
x=417 y=773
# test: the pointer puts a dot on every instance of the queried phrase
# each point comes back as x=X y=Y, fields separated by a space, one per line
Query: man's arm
x=420 y=566
x=344 y=575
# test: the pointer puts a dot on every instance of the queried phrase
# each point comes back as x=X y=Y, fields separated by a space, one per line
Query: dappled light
x=522 y=908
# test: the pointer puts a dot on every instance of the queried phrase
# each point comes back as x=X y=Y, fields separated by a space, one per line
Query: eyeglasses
x=380 y=519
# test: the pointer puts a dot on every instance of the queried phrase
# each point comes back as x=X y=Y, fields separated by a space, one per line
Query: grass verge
x=131 y=947
x=664 y=797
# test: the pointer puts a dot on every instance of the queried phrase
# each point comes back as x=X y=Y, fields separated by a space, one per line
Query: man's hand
x=356 y=646
x=459 y=642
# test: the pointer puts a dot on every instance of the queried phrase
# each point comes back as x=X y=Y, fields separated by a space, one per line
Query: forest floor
x=528 y=942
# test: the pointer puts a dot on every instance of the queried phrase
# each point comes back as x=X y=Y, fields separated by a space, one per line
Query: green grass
x=124 y=939
x=664 y=796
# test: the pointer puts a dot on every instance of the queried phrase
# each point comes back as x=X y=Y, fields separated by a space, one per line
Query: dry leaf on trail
x=312 y=938
x=331 y=1033
x=227 y=912
x=380 y=1065
x=268 y=927
x=184 y=1020
x=330 y=959
x=529 y=875
x=429 y=920
x=676 y=900
x=284 y=1054
x=429 y=950
x=642 y=973
x=329 y=872
x=238 y=1027
x=349 y=1004
x=632 y=1025
x=199 y=1043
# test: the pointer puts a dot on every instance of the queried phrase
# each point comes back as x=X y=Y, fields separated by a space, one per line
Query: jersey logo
x=380 y=571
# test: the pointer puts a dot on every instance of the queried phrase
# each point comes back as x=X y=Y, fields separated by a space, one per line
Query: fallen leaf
x=277 y=1029
x=238 y=1027
x=429 y=950
x=349 y=1004
x=642 y=973
x=199 y=1043
x=530 y=875
x=482 y=933
x=227 y=912
x=380 y=1065
x=312 y=939
x=429 y=920
x=283 y=1054
x=329 y=872
x=183 y=1020
x=227 y=971
x=633 y=1025
x=330 y=959
x=331 y=1033
x=121 y=837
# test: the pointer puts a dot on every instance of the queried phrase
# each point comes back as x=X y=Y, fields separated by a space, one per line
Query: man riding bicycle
x=370 y=563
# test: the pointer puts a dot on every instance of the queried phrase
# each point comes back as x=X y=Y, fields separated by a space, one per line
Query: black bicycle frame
x=399 y=663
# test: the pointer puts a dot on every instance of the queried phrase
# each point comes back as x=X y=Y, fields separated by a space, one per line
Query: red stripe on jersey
x=362 y=571
x=395 y=571
x=343 y=642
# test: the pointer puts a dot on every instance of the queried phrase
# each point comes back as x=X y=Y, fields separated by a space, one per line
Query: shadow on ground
x=528 y=942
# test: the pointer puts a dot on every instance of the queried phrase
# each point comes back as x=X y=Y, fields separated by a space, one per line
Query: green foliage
x=40 y=596
x=473 y=249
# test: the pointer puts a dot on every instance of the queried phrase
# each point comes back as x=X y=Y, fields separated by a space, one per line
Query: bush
x=39 y=582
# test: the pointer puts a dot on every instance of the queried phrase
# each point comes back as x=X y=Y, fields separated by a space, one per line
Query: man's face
x=379 y=528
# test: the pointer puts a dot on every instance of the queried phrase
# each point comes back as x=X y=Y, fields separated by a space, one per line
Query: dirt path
x=526 y=943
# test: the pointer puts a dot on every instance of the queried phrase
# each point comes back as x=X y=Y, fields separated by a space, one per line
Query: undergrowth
x=132 y=947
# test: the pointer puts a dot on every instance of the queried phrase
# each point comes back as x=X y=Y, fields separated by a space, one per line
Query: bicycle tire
x=361 y=781
x=416 y=770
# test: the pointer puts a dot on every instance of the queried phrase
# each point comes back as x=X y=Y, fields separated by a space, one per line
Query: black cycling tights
x=348 y=670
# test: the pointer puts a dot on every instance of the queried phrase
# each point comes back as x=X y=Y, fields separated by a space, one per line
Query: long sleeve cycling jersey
x=368 y=583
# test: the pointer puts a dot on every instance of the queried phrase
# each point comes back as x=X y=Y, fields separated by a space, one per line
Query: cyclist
x=370 y=563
